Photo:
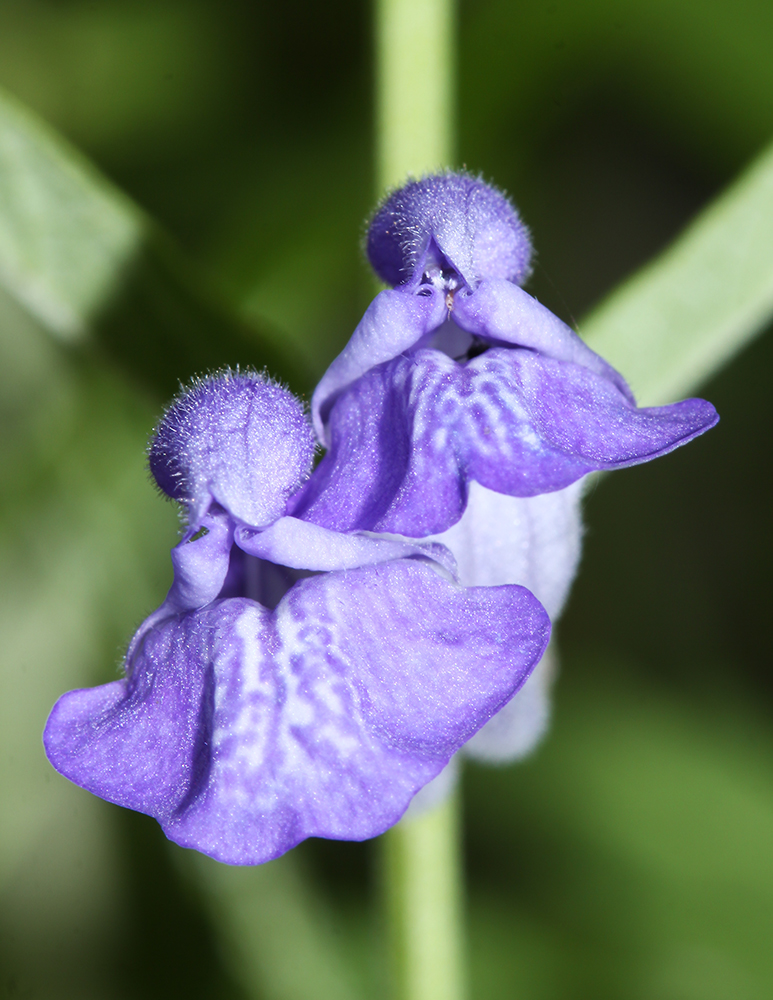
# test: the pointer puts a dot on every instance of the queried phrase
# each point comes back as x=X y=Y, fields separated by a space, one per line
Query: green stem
x=422 y=855
x=423 y=890
x=414 y=87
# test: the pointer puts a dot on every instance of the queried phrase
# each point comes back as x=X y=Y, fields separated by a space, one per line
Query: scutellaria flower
x=297 y=681
x=463 y=409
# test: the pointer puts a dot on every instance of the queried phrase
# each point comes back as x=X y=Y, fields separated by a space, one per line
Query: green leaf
x=93 y=269
x=65 y=238
x=681 y=318
x=83 y=549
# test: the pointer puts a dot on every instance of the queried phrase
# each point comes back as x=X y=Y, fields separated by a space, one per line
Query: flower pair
x=333 y=637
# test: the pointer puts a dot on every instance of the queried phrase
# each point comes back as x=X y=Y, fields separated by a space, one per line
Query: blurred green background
x=630 y=857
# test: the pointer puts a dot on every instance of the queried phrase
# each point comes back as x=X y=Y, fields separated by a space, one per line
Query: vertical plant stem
x=414 y=87
x=423 y=893
x=421 y=856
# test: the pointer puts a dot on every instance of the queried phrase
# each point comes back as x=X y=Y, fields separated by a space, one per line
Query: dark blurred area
x=630 y=856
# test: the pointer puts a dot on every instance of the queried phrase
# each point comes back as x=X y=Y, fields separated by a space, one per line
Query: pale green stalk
x=414 y=88
x=424 y=894
x=421 y=855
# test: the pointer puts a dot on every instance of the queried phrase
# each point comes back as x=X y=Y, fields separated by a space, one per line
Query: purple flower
x=297 y=681
x=457 y=375
x=463 y=410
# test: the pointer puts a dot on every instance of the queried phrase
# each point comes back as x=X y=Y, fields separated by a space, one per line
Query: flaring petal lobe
x=304 y=545
x=140 y=742
x=322 y=718
x=408 y=437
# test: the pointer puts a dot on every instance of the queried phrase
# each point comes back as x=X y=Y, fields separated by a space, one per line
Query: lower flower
x=245 y=730
x=297 y=681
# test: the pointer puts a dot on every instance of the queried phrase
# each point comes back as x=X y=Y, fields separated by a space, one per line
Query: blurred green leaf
x=678 y=320
x=123 y=77
x=91 y=267
x=83 y=543
x=630 y=857
x=65 y=237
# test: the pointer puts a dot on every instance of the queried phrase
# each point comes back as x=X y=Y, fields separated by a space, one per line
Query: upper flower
x=457 y=374
x=296 y=681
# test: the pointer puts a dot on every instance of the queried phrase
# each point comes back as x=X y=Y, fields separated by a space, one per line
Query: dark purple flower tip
x=237 y=439
x=445 y=222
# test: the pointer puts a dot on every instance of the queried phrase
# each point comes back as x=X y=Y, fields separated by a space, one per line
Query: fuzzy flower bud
x=237 y=439
x=448 y=229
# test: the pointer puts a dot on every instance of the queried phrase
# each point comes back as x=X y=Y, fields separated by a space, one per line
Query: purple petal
x=244 y=731
x=141 y=742
x=500 y=311
x=200 y=563
x=236 y=439
x=497 y=311
x=409 y=436
x=393 y=323
x=535 y=542
x=516 y=730
x=303 y=545
x=473 y=226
